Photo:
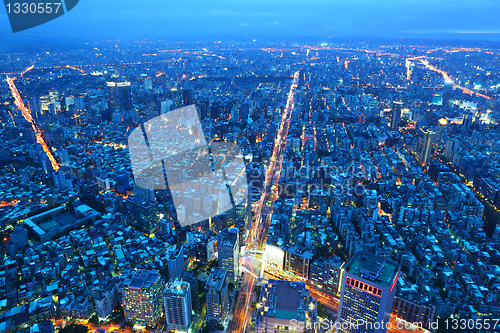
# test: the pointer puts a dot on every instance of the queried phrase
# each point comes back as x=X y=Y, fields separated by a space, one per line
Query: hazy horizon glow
x=156 y=19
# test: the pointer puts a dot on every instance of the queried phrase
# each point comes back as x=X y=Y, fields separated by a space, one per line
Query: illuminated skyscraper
x=229 y=256
x=142 y=213
x=177 y=299
x=367 y=294
x=298 y=260
x=437 y=99
x=424 y=147
x=142 y=297
x=441 y=135
x=119 y=96
x=50 y=102
x=243 y=218
x=177 y=97
x=327 y=273
x=217 y=297
x=397 y=109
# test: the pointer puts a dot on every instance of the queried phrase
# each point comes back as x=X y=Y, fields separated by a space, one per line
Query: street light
x=311 y=306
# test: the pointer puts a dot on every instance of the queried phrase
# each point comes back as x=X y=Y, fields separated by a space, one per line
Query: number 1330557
x=464 y=324
x=40 y=8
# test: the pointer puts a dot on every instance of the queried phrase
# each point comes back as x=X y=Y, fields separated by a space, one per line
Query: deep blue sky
x=138 y=19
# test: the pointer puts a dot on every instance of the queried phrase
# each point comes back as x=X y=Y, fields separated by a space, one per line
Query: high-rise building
x=64 y=157
x=442 y=130
x=122 y=182
x=229 y=255
x=144 y=193
x=148 y=84
x=34 y=105
x=142 y=297
x=50 y=103
x=437 y=99
x=217 y=298
x=397 y=110
x=496 y=234
x=466 y=121
x=119 y=96
x=142 y=213
x=298 y=260
x=58 y=137
x=107 y=301
x=221 y=221
x=282 y=301
x=327 y=272
x=187 y=96
x=70 y=100
x=177 y=97
x=367 y=294
x=188 y=276
x=451 y=147
x=79 y=103
x=175 y=260
x=177 y=300
x=424 y=146
x=243 y=218
x=243 y=113
x=414 y=310
x=165 y=106
x=62 y=178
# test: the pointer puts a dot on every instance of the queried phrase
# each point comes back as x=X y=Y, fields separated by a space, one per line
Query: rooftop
x=372 y=267
x=286 y=300
x=228 y=238
x=143 y=279
x=301 y=252
x=176 y=287
x=288 y=296
x=216 y=278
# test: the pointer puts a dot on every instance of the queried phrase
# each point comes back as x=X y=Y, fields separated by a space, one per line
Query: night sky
x=138 y=19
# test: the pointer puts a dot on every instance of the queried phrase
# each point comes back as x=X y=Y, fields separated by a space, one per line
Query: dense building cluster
x=373 y=186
